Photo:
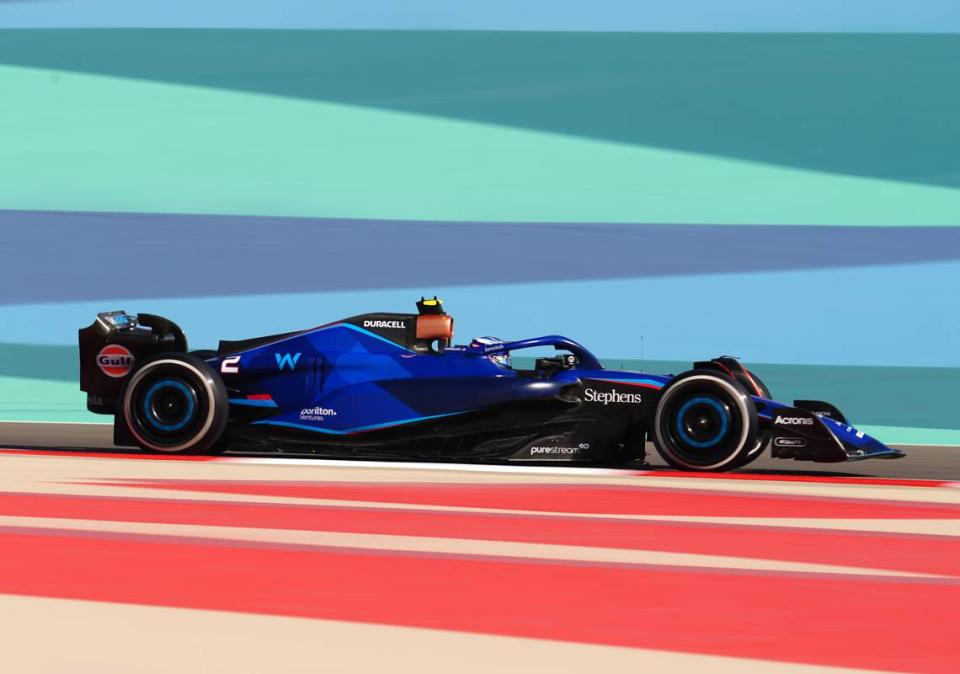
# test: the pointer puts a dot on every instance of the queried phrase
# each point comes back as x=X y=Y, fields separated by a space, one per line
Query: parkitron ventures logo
x=287 y=360
x=317 y=413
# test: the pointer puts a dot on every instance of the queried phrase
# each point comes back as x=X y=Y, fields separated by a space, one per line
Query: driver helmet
x=500 y=358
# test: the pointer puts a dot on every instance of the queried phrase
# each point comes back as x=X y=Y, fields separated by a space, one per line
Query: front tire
x=704 y=421
x=175 y=404
x=763 y=436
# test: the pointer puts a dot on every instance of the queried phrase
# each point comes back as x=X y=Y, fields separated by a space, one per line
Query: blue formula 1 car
x=393 y=386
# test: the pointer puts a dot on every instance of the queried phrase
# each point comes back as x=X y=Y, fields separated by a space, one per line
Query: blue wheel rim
x=682 y=432
x=151 y=416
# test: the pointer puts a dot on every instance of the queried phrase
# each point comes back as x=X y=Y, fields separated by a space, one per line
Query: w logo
x=287 y=360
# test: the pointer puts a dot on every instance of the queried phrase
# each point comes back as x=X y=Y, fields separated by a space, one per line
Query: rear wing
x=111 y=348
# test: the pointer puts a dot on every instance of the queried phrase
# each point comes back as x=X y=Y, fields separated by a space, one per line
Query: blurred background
x=662 y=182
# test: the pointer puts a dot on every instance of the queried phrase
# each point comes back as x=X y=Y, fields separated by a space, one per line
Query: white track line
x=421 y=465
x=450 y=546
x=66 y=635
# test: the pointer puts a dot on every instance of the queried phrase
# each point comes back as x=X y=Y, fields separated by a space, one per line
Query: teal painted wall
x=741 y=129
x=469 y=129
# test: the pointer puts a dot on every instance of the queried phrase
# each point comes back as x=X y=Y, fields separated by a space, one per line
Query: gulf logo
x=115 y=361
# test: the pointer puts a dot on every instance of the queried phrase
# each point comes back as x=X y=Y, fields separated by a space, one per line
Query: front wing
x=808 y=435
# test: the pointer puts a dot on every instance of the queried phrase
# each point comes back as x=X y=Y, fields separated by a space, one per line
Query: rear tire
x=175 y=404
x=704 y=421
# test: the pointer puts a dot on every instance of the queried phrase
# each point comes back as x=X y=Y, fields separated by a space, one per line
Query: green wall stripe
x=121 y=141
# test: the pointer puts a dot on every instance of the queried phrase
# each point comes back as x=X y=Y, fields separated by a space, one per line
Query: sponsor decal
x=554 y=450
x=615 y=397
x=789 y=442
x=93 y=400
x=317 y=413
x=859 y=434
x=230 y=365
x=487 y=344
x=115 y=360
x=287 y=360
x=823 y=414
x=793 y=421
x=392 y=325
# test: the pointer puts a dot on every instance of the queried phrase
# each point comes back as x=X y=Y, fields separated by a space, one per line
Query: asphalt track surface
x=248 y=563
x=923 y=462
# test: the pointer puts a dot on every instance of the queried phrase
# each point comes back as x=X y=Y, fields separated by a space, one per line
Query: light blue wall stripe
x=891 y=315
x=936 y=16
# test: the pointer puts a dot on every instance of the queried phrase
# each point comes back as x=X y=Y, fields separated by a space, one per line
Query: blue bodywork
x=340 y=380
x=342 y=367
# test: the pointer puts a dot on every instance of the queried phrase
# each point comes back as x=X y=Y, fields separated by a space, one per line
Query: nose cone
x=859 y=445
